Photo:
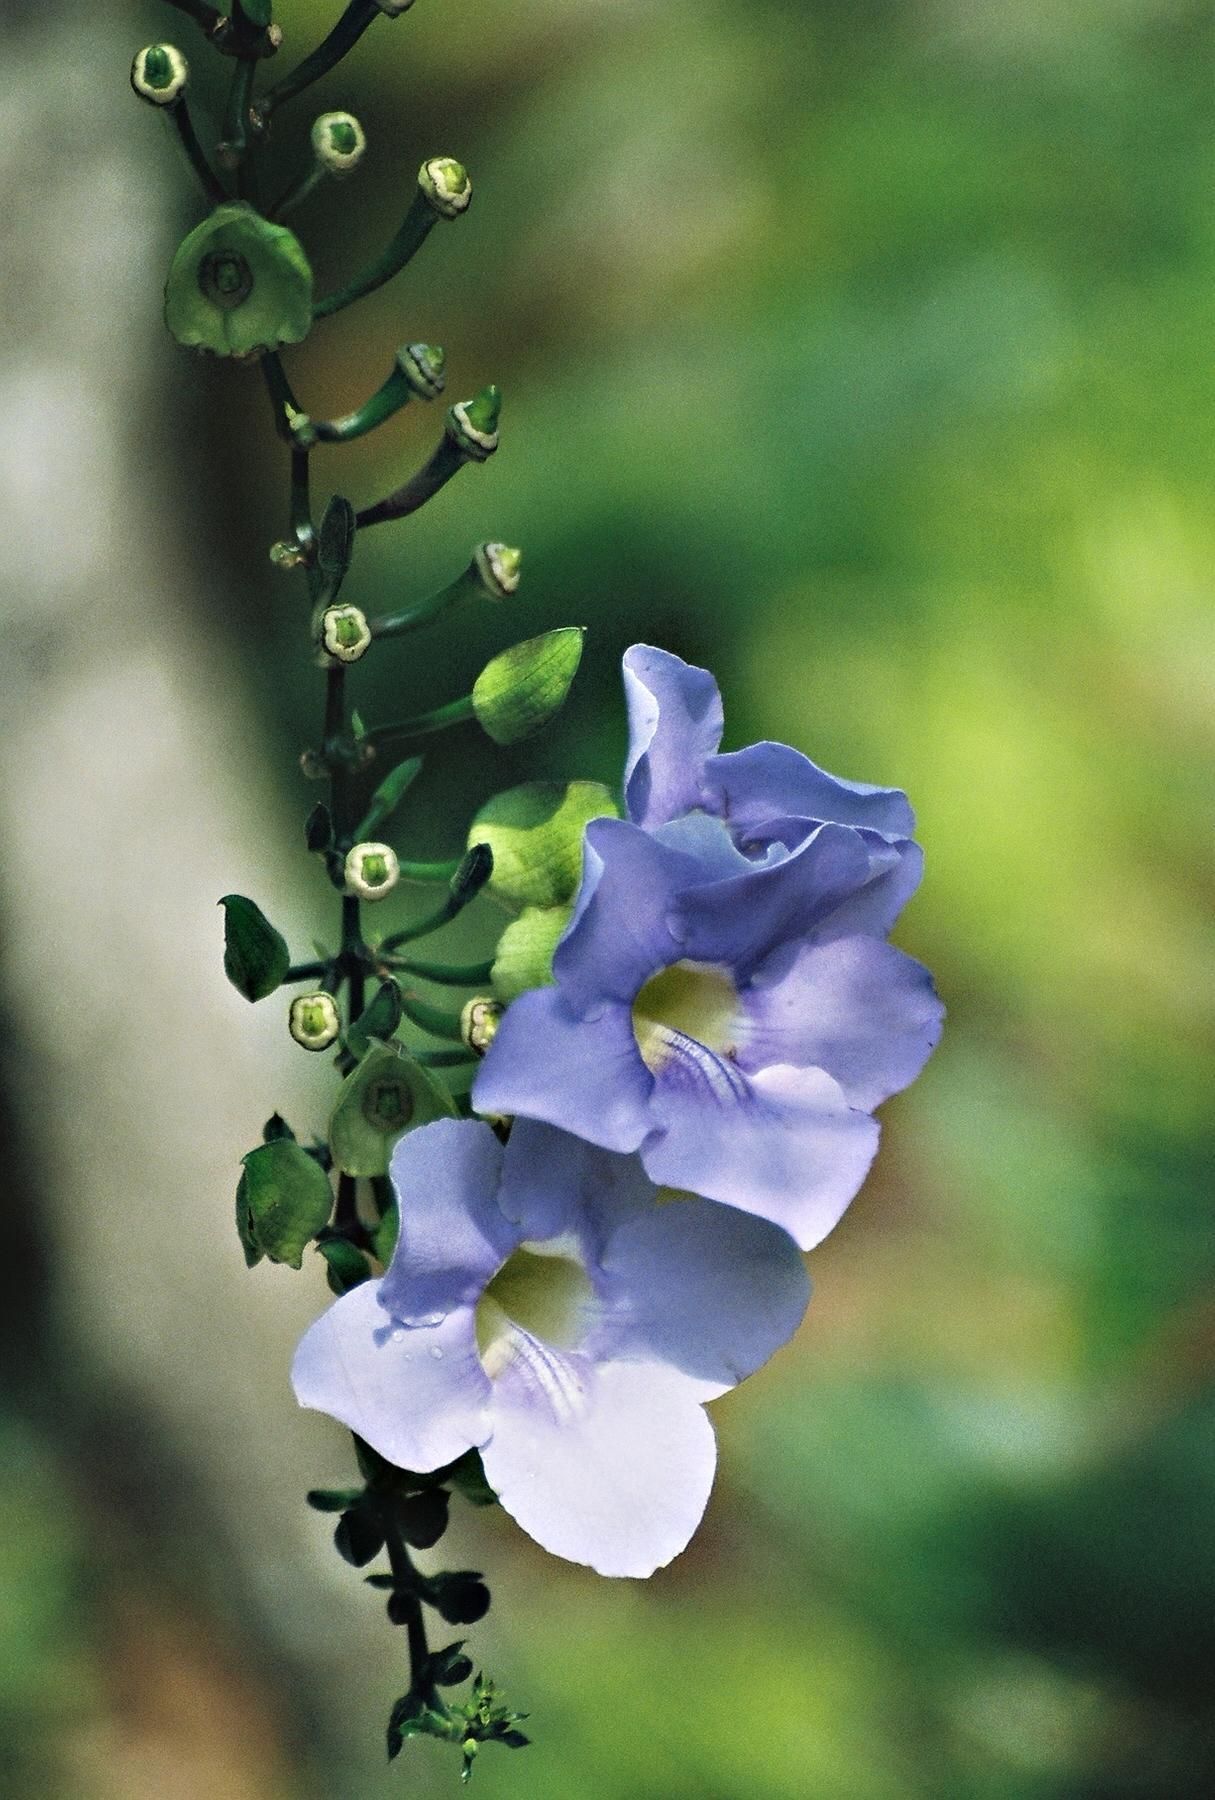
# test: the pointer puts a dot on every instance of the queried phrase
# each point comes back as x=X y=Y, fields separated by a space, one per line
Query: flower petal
x=675 y=722
x=704 y=1287
x=783 y=1143
x=452 y=1233
x=894 y=875
x=855 y=1006
x=555 y=1185
x=769 y=782
x=583 y=1074
x=619 y=935
x=420 y=1397
x=609 y=1465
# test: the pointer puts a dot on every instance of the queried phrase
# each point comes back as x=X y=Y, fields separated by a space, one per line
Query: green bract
x=283 y=1200
x=239 y=286
x=535 y=832
x=383 y=1097
x=520 y=690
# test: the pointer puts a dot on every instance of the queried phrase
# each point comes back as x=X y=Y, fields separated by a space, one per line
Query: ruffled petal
x=556 y=1185
x=452 y=1234
x=619 y=935
x=855 y=1006
x=769 y=782
x=706 y=1288
x=420 y=1397
x=675 y=722
x=894 y=875
x=584 y=1074
x=782 y=1143
x=609 y=1465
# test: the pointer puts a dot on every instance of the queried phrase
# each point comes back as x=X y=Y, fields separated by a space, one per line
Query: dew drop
x=436 y=1352
x=397 y=1334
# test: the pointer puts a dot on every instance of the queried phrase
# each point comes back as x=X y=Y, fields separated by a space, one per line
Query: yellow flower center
x=696 y=1000
x=542 y=1290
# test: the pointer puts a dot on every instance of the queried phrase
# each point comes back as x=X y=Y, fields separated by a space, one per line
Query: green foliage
x=283 y=1200
x=256 y=957
x=524 y=957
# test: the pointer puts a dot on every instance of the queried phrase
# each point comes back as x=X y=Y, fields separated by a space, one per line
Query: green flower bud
x=422 y=366
x=520 y=690
x=535 y=832
x=288 y=553
x=338 y=142
x=344 y=633
x=472 y=425
x=524 y=957
x=372 y=871
x=239 y=286
x=498 y=566
x=159 y=74
x=446 y=185
x=314 y=1020
x=479 y=1023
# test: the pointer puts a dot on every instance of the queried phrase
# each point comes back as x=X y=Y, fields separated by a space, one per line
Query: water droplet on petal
x=594 y=1013
x=677 y=926
x=436 y=1352
x=397 y=1334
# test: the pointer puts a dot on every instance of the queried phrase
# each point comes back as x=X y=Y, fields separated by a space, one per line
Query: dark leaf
x=256 y=957
x=318 y=828
x=289 y=1199
x=358 y=1536
x=334 y=1500
x=379 y=1020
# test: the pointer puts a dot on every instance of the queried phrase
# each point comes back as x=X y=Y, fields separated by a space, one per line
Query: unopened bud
x=473 y=424
x=314 y=1020
x=288 y=553
x=446 y=185
x=422 y=366
x=498 y=566
x=479 y=1023
x=344 y=633
x=338 y=142
x=521 y=689
x=372 y=871
x=159 y=74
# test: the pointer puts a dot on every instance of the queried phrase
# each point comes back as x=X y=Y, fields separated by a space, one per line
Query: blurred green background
x=862 y=352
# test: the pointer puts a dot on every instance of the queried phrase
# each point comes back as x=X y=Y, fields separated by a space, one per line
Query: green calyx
x=422 y=365
x=519 y=691
x=473 y=424
x=239 y=286
x=535 y=832
x=385 y=1095
x=446 y=185
x=524 y=957
x=159 y=74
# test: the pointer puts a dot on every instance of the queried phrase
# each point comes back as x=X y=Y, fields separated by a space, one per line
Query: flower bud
x=344 y=633
x=338 y=143
x=479 y=1023
x=238 y=285
x=521 y=689
x=472 y=425
x=498 y=566
x=159 y=74
x=372 y=871
x=446 y=185
x=314 y=1020
x=422 y=366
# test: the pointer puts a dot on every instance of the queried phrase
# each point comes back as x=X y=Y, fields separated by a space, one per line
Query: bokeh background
x=861 y=351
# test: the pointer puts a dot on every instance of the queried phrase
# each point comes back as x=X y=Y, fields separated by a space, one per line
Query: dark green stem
x=406 y=1593
x=468 y=586
x=431 y=1019
x=439 y=718
x=444 y=1059
x=447 y=460
x=387 y=400
x=415 y=228
x=447 y=974
x=235 y=141
x=209 y=181
x=328 y=53
x=429 y=871
x=298 y=191
x=310 y=971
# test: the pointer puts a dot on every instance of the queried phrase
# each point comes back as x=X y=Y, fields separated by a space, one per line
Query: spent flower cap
x=159 y=74
x=445 y=183
x=338 y=142
x=473 y=424
x=314 y=1020
x=238 y=285
x=372 y=871
x=345 y=634
x=499 y=566
x=479 y=1022
x=422 y=365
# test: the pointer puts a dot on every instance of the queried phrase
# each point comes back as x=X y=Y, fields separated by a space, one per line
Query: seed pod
x=446 y=185
x=344 y=633
x=338 y=143
x=372 y=871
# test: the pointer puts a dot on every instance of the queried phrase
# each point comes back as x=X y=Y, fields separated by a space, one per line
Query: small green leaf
x=467 y=1477
x=535 y=832
x=358 y=1536
x=520 y=690
x=335 y=542
x=459 y=1596
x=289 y=1199
x=276 y=1127
x=345 y=1267
x=449 y=1666
x=524 y=957
x=244 y=1226
x=384 y=1096
x=256 y=957
x=379 y=1021
x=239 y=285
x=357 y=725
x=384 y=1237
x=388 y=797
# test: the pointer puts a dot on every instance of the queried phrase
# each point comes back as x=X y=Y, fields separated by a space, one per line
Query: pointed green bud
x=239 y=286
x=445 y=184
x=256 y=957
x=338 y=143
x=387 y=1093
x=345 y=634
x=159 y=74
x=287 y=554
x=372 y=871
x=479 y=1020
x=422 y=366
x=498 y=565
x=472 y=425
x=524 y=957
x=535 y=832
x=520 y=691
x=314 y=1021
x=286 y=1199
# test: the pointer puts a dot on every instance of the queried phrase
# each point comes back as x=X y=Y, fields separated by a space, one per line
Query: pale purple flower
x=548 y=1306
x=725 y=1003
